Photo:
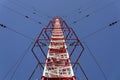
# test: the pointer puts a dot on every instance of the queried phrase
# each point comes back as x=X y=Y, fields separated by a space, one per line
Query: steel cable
x=17 y=64
x=94 y=58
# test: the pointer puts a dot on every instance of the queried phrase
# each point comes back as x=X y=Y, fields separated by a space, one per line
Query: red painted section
x=65 y=78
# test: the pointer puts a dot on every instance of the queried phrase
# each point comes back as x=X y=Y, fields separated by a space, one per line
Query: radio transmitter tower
x=61 y=42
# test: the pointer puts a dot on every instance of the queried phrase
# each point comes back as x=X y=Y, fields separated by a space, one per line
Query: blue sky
x=104 y=45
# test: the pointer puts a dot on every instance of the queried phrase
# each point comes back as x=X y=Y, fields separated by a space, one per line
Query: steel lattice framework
x=58 y=54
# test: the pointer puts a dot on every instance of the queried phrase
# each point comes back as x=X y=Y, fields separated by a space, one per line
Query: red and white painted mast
x=59 y=46
x=58 y=65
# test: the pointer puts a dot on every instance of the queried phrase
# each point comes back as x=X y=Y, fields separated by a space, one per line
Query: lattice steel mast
x=58 y=37
x=58 y=62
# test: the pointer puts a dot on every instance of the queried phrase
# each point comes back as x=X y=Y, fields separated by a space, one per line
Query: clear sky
x=105 y=45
